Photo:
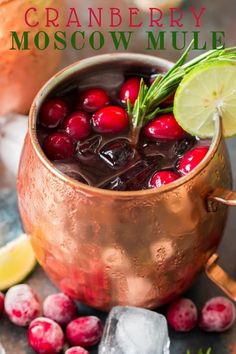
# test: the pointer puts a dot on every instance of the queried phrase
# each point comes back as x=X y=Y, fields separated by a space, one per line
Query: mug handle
x=212 y=269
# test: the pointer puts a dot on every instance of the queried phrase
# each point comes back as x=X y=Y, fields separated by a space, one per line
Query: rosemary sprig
x=209 y=351
x=147 y=105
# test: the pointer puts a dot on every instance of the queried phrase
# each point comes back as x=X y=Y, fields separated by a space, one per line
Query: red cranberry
x=130 y=90
x=85 y=331
x=191 y=159
x=217 y=315
x=76 y=350
x=21 y=304
x=161 y=178
x=45 y=336
x=1 y=303
x=110 y=119
x=164 y=127
x=77 y=125
x=53 y=112
x=58 y=146
x=93 y=99
x=182 y=315
x=60 y=308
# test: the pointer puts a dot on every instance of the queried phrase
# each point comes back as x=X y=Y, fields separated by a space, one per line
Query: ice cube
x=88 y=149
x=10 y=225
x=117 y=153
x=72 y=170
x=132 y=330
x=110 y=80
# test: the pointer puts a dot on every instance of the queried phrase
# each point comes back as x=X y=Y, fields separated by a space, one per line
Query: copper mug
x=141 y=248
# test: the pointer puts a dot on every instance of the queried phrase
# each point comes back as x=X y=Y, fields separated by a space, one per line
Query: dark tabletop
x=220 y=15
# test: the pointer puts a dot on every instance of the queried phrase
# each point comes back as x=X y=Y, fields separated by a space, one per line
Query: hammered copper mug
x=108 y=248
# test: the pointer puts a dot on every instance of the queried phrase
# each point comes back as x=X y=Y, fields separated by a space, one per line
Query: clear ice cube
x=132 y=330
x=10 y=225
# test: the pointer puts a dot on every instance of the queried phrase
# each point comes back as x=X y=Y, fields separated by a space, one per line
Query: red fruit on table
x=1 y=303
x=161 y=178
x=217 y=315
x=53 y=112
x=60 y=308
x=164 y=127
x=77 y=125
x=93 y=99
x=182 y=315
x=58 y=146
x=45 y=336
x=110 y=119
x=130 y=90
x=76 y=350
x=191 y=159
x=21 y=304
x=84 y=331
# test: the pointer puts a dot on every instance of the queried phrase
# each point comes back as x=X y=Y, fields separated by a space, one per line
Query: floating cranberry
x=130 y=90
x=60 y=308
x=164 y=127
x=85 y=331
x=77 y=125
x=1 y=303
x=53 y=112
x=110 y=119
x=182 y=315
x=93 y=99
x=58 y=146
x=161 y=178
x=191 y=159
x=217 y=315
x=45 y=336
x=76 y=350
x=21 y=304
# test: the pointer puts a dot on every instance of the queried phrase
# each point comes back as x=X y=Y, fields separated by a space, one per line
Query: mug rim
x=102 y=59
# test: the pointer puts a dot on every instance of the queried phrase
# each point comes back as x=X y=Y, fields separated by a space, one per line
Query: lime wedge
x=205 y=92
x=16 y=261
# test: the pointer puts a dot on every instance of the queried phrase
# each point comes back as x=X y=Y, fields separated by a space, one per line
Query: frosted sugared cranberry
x=110 y=119
x=93 y=99
x=191 y=159
x=164 y=127
x=130 y=90
x=85 y=331
x=60 y=308
x=1 y=303
x=182 y=315
x=45 y=336
x=161 y=178
x=217 y=315
x=21 y=304
x=77 y=125
x=53 y=112
x=58 y=146
x=76 y=350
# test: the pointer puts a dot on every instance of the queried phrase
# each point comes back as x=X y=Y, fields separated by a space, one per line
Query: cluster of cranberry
x=94 y=114
x=46 y=334
x=217 y=315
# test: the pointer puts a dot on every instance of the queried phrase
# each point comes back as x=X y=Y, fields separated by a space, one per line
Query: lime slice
x=16 y=261
x=205 y=92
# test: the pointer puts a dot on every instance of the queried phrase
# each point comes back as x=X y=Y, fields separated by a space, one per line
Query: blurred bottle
x=163 y=5
x=23 y=72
